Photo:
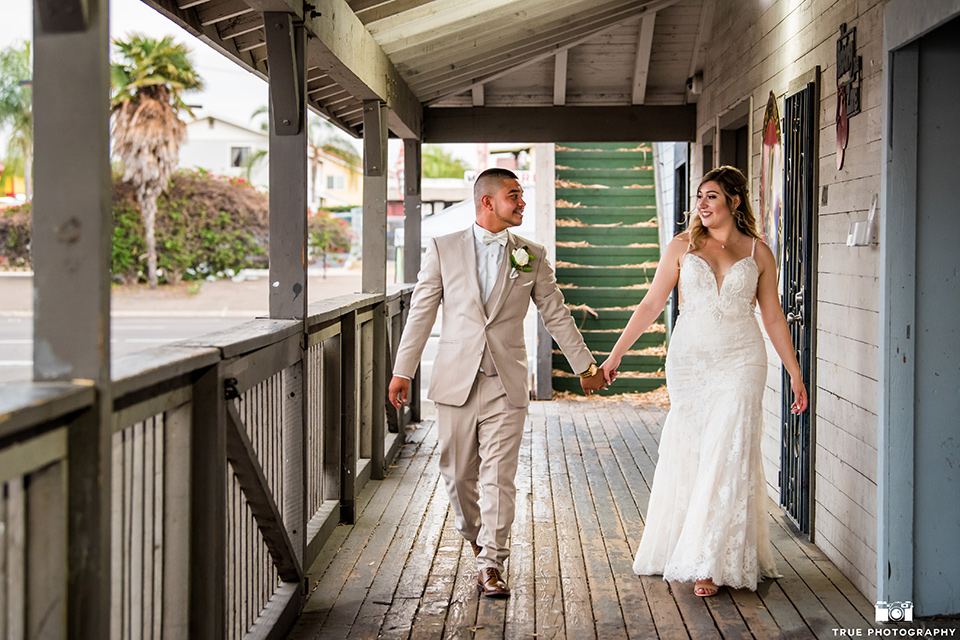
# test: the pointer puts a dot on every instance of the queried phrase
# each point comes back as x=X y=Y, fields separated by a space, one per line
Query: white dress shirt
x=488 y=262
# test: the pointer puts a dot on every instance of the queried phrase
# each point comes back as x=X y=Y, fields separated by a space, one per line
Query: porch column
x=412 y=171
x=547 y=236
x=374 y=278
x=72 y=231
x=286 y=54
x=286 y=58
x=412 y=204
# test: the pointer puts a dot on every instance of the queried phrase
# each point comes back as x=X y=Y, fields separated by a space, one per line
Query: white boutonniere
x=520 y=259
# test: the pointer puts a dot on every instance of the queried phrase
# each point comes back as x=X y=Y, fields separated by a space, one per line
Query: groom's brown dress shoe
x=476 y=549
x=492 y=584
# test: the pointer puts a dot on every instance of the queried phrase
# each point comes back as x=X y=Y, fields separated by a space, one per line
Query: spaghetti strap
x=754 y=249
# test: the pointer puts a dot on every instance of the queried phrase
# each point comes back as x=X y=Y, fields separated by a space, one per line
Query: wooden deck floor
x=402 y=570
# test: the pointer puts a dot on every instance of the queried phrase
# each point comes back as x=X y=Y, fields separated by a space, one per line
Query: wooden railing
x=234 y=456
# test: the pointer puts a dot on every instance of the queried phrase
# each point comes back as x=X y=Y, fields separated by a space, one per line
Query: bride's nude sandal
x=705 y=588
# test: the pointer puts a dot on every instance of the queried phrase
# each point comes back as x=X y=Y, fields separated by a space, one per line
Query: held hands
x=596 y=382
x=609 y=369
x=398 y=390
x=799 y=395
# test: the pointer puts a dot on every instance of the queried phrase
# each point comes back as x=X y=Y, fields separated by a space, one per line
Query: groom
x=486 y=277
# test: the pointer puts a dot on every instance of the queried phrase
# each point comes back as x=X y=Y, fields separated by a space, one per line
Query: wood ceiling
x=476 y=63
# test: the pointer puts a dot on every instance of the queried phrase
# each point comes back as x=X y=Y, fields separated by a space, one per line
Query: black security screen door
x=800 y=128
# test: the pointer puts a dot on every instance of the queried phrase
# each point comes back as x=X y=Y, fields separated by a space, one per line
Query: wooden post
x=208 y=509
x=348 y=416
x=374 y=279
x=378 y=427
x=375 y=258
x=412 y=171
x=286 y=53
x=412 y=216
x=333 y=395
x=72 y=231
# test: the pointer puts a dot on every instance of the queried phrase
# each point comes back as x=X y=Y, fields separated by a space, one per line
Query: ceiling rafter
x=223 y=11
x=385 y=10
x=703 y=36
x=548 y=40
x=347 y=52
x=504 y=24
x=641 y=68
x=431 y=17
x=497 y=65
x=242 y=25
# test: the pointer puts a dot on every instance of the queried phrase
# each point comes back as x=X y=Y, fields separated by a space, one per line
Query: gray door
x=797 y=274
x=936 y=568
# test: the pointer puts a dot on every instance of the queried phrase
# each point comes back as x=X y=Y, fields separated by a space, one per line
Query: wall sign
x=849 y=65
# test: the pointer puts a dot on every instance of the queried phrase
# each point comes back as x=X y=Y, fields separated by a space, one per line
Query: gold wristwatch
x=590 y=372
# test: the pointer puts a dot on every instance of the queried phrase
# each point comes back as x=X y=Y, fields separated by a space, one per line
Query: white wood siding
x=754 y=51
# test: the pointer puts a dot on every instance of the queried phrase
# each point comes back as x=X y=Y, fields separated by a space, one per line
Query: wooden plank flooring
x=583 y=483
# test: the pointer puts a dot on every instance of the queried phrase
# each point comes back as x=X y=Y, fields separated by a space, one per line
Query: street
x=128 y=335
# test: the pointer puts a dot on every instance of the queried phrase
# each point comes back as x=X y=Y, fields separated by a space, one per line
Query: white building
x=220 y=145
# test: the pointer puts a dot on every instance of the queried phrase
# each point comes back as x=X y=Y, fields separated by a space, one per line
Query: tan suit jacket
x=449 y=274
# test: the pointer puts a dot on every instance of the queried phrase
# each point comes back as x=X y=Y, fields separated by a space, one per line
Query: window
x=238 y=155
x=336 y=183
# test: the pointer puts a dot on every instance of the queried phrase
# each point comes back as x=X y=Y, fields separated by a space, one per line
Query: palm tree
x=147 y=130
x=16 y=111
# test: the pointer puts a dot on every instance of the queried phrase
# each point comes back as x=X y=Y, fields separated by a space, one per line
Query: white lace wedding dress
x=706 y=517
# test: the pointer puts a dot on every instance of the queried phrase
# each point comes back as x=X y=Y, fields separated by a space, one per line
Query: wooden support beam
x=346 y=453
x=285 y=57
x=703 y=37
x=641 y=68
x=346 y=51
x=560 y=124
x=208 y=509
x=412 y=218
x=288 y=171
x=253 y=482
x=62 y=16
x=560 y=78
x=412 y=208
x=378 y=391
x=71 y=246
x=374 y=278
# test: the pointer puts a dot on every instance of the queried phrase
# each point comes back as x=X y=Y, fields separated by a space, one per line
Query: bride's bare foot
x=705 y=588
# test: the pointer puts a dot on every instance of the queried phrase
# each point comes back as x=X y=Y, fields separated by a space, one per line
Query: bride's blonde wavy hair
x=732 y=183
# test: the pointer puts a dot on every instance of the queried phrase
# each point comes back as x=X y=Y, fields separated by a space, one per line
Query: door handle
x=794 y=318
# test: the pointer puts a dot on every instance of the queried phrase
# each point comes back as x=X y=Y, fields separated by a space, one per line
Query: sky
x=230 y=90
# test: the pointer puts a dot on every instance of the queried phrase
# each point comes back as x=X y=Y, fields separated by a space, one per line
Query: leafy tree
x=147 y=130
x=16 y=111
x=438 y=163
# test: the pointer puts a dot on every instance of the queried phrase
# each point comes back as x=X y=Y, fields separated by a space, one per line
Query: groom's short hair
x=489 y=182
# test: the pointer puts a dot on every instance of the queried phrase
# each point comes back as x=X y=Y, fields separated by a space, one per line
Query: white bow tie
x=500 y=238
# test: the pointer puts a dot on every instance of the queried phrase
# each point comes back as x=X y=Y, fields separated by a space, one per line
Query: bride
x=706 y=520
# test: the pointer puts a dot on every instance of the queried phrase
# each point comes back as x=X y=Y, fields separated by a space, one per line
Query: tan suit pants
x=479 y=450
